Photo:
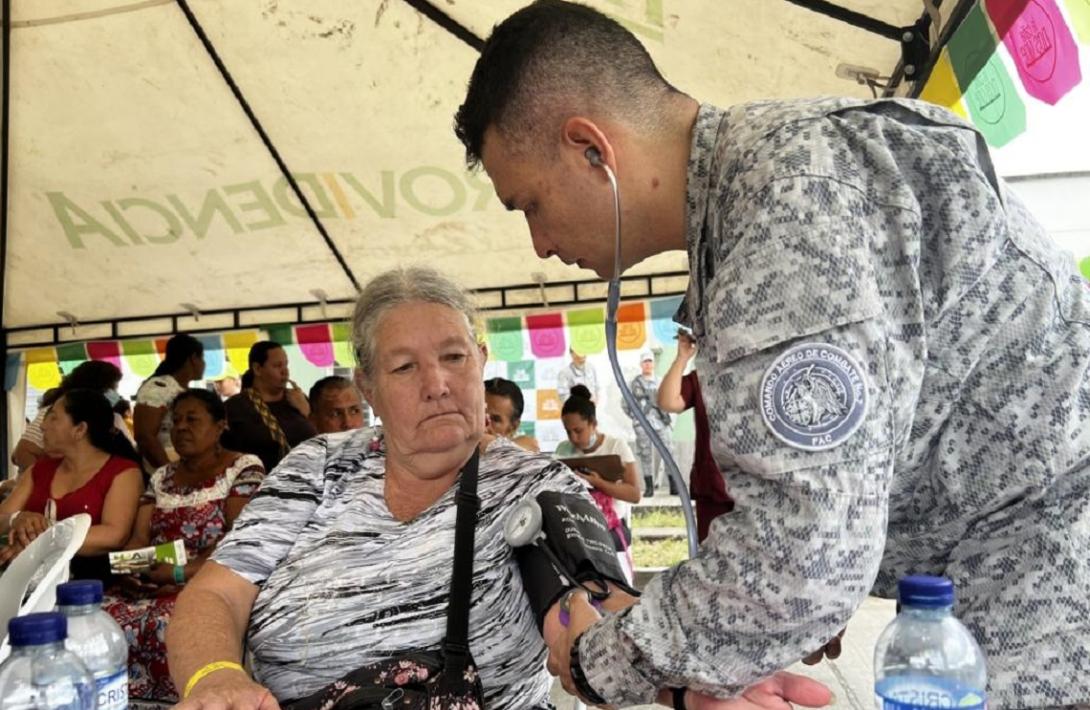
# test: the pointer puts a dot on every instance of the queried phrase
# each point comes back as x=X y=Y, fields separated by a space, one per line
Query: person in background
x=228 y=385
x=123 y=409
x=678 y=393
x=91 y=469
x=270 y=415
x=503 y=403
x=184 y=362
x=97 y=375
x=194 y=499
x=612 y=497
x=645 y=387
x=336 y=405
x=578 y=372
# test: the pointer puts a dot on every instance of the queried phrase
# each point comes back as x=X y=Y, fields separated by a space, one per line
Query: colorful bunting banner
x=11 y=370
x=161 y=346
x=141 y=356
x=342 y=345
x=108 y=350
x=527 y=428
x=547 y=334
x=942 y=86
x=42 y=371
x=281 y=334
x=238 y=346
x=662 y=319
x=215 y=364
x=587 y=330
x=70 y=355
x=1040 y=44
x=316 y=344
x=994 y=104
x=1079 y=12
x=1084 y=267
x=505 y=338
x=631 y=325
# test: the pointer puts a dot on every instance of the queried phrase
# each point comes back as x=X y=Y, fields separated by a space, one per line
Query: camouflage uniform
x=646 y=393
x=895 y=359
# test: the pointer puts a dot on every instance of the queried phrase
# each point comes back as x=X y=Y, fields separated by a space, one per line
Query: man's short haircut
x=551 y=57
x=506 y=388
x=327 y=383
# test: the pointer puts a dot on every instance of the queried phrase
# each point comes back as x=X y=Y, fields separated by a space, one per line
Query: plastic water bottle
x=926 y=658
x=40 y=673
x=97 y=640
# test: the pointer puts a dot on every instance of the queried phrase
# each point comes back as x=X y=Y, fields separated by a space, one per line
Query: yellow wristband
x=207 y=670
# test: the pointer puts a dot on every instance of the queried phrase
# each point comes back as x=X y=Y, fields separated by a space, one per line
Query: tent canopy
x=139 y=187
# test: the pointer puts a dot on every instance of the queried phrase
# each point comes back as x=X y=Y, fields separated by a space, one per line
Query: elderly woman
x=343 y=557
x=196 y=500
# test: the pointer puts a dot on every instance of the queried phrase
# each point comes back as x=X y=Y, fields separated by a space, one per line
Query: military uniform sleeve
x=270 y=523
x=799 y=405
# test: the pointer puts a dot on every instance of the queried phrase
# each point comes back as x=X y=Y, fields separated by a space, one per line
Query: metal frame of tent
x=919 y=50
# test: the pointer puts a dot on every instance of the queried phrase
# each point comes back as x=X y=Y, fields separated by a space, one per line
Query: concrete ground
x=851 y=677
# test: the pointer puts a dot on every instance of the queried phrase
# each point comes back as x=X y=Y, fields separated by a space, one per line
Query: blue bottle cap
x=925 y=591
x=79 y=593
x=37 y=629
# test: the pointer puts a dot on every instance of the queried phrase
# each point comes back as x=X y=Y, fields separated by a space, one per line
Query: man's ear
x=578 y=134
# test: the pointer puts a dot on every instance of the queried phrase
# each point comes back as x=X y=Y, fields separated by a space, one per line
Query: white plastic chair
x=39 y=569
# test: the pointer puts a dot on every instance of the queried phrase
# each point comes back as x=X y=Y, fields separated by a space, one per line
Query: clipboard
x=608 y=466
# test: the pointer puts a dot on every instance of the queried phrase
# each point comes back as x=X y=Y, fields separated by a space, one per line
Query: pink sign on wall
x=1041 y=45
x=547 y=334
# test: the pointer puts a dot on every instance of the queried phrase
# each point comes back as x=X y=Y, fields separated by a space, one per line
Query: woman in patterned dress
x=194 y=499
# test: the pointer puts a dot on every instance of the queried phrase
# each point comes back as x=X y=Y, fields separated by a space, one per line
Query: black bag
x=423 y=680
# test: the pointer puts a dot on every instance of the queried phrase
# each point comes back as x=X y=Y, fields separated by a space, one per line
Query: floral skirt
x=145 y=624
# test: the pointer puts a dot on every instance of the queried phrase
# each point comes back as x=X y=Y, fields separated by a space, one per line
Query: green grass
x=660 y=553
x=657 y=519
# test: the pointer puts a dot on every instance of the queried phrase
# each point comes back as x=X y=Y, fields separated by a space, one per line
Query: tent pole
x=210 y=48
x=447 y=22
x=5 y=115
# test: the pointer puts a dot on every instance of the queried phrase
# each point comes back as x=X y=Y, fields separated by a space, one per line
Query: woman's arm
x=118 y=514
x=141 y=529
x=626 y=489
x=146 y=421
x=208 y=625
x=26 y=453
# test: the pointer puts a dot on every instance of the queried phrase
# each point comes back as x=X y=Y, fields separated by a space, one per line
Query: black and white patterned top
x=343 y=583
x=896 y=363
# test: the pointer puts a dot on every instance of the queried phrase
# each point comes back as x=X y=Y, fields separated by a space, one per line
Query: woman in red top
x=95 y=474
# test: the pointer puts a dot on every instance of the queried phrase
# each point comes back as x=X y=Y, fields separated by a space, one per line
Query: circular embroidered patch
x=814 y=396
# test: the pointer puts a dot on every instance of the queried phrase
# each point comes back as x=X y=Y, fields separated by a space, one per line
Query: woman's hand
x=137 y=588
x=9 y=553
x=297 y=398
x=590 y=476
x=778 y=692
x=228 y=689
x=26 y=527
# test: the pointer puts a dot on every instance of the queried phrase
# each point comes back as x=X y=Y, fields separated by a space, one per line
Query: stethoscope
x=612 y=303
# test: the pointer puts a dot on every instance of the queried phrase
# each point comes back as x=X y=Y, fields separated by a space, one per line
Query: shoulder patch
x=814 y=396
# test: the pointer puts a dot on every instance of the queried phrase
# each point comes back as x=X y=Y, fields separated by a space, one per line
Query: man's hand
x=9 y=553
x=779 y=692
x=26 y=527
x=830 y=650
x=297 y=398
x=228 y=689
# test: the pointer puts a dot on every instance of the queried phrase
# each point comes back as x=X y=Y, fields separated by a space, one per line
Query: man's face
x=501 y=415
x=577 y=359
x=569 y=213
x=337 y=409
x=647 y=367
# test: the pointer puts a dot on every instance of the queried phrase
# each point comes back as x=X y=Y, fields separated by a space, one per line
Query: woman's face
x=194 y=432
x=59 y=432
x=579 y=430
x=273 y=374
x=427 y=386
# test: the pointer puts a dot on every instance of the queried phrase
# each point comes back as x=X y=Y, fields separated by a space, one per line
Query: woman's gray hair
x=395 y=287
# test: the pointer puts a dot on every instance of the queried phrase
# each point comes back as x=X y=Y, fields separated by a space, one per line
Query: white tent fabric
x=137 y=183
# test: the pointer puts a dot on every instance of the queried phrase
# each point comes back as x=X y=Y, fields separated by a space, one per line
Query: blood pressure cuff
x=577 y=536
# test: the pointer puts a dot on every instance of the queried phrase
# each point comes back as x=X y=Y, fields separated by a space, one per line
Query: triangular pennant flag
x=1040 y=44
x=42 y=371
x=547 y=334
x=141 y=356
x=631 y=325
x=316 y=343
x=505 y=338
x=70 y=355
x=108 y=350
x=215 y=361
x=587 y=331
x=342 y=345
